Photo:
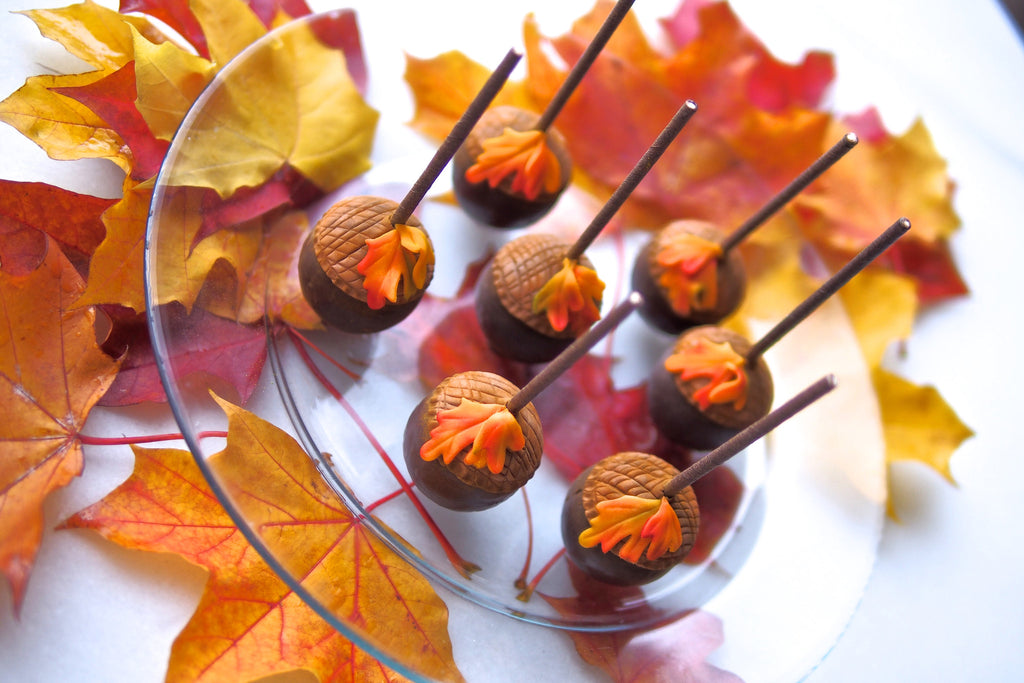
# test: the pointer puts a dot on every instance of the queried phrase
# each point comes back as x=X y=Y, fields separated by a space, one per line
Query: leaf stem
x=152 y=438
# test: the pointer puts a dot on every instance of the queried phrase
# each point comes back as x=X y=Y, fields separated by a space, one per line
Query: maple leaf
x=31 y=211
x=52 y=372
x=249 y=623
x=571 y=297
x=296 y=104
x=889 y=176
x=113 y=99
x=444 y=86
x=918 y=423
x=719 y=364
x=488 y=430
x=647 y=525
x=116 y=270
x=524 y=155
x=400 y=256
x=205 y=345
x=99 y=36
x=168 y=79
x=691 y=272
x=64 y=128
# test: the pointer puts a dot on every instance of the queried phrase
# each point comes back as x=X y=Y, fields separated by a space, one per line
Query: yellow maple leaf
x=116 y=267
x=64 y=128
x=919 y=424
x=443 y=87
x=99 y=36
x=292 y=104
x=168 y=80
x=229 y=26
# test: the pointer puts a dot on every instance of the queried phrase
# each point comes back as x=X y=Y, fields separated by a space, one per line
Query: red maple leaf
x=31 y=211
x=215 y=346
x=113 y=99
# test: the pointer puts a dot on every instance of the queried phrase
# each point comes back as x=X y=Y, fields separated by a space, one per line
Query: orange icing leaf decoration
x=645 y=524
x=399 y=256
x=691 y=275
x=489 y=428
x=720 y=364
x=571 y=296
x=526 y=156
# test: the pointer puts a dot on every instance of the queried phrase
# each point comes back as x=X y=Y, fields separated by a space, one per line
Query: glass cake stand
x=803 y=508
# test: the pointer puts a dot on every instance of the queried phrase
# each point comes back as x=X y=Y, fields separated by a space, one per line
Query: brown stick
x=810 y=174
x=830 y=287
x=586 y=60
x=456 y=137
x=573 y=353
x=749 y=435
x=629 y=184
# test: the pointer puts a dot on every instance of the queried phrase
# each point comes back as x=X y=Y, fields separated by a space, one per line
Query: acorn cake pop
x=690 y=272
x=368 y=261
x=712 y=382
x=539 y=293
x=514 y=165
x=476 y=438
x=631 y=517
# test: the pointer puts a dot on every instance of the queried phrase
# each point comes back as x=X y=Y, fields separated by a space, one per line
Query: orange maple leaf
x=691 y=275
x=719 y=364
x=52 y=372
x=571 y=296
x=645 y=524
x=249 y=623
x=398 y=257
x=489 y=430
x=524 y=155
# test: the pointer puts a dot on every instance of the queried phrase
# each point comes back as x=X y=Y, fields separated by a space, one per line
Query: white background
x=944 y=601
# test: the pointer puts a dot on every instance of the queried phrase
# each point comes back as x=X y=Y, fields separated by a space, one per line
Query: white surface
x=943 y=603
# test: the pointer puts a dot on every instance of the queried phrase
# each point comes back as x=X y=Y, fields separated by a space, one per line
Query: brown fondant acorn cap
x=759 y=386
x=521 y=268
x=731 y=279
x=643 y=475
x=489 y=388
x=340 y=236
x=492 y=124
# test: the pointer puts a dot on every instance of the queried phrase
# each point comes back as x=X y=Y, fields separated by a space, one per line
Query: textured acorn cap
x=498 y=206
x=457 y=485
x=521 y=268
x=339 y=241
x=640 y=474
x=493 y=123
x=760 y=388
x=732 y=279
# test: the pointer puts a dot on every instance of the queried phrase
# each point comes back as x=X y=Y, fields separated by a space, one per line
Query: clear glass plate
x=788 y=567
